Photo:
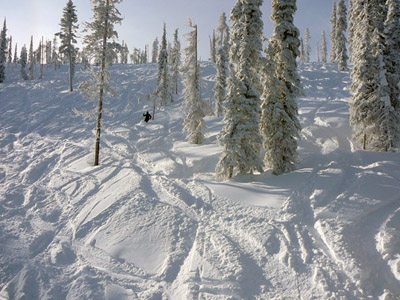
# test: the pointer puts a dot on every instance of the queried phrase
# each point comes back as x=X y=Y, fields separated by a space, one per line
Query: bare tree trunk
x=364 y=141
x=101 y=93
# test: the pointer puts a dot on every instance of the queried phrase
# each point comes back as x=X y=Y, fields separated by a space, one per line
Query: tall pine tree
x=31 y=60
x=68 y=38
x=175 y=62
x=307 y=47
x=341 y=28
x=3 y=52
x=280 y=125
x=324 y=50
x=333 y=33
x=105 y=16
x=221 y=64
x=392 y=50
x=193 y=104
x=240 y=135
x=163 y=92
x=23 y=61
x=154 y=53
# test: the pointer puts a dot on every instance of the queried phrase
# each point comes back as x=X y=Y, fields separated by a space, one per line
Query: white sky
x=143 y=20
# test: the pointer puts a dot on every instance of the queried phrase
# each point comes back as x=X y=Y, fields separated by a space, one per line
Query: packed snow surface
x=152 y=222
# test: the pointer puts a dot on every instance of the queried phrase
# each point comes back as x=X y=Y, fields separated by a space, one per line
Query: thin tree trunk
x=101 y=93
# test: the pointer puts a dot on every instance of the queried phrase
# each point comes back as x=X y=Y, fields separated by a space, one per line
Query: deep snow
x=151 y=222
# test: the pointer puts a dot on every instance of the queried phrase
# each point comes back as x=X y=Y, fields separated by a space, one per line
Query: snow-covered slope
x=151 y=222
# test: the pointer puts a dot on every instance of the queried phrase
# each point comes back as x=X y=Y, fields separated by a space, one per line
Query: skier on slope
x=147 y=116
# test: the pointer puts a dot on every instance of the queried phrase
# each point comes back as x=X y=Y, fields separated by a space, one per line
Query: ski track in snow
x=151 y=222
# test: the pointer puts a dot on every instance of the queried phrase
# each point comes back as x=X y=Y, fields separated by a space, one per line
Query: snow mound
x=151 y=222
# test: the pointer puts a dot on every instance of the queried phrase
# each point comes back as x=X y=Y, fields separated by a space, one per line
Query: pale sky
x=143 y=20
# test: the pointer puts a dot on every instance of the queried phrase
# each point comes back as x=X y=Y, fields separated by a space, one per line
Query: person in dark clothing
x=147 y=116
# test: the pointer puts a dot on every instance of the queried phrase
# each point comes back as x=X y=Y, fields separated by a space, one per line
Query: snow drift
x=151 y=222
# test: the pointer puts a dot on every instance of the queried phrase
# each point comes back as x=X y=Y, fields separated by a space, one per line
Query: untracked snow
x=151 y=222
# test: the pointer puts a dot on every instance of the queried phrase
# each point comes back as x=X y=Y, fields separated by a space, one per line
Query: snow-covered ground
x=151 y=222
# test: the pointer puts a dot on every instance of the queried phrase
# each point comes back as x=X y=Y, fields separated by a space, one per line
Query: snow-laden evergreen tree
x=351 y=24
x=9 y=58
x=240 y=135
x=333 y=33
x=317 y=49
x=375 y=121
x=31 y=60
x=302 y=54
x=392 y=50
x=213 y=50
x=124 y=52
x=40 y=58
x=307 y=47
x=54 y=56
x=23 y=61
x=3 y=52
x=175 y=62
x=220 y=80
x=324 y=50
x=223 y=34
x=154 y=53
x=15 y=59
x=163 y=92
x=101 y=32
x=67 y=36
x=221 y=65
x=193 y=105
x=48 y=53
x=341 y=28
x=280 y=125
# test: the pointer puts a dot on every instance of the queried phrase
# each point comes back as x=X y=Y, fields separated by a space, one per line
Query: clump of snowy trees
x=260 y=105
x=375 y=48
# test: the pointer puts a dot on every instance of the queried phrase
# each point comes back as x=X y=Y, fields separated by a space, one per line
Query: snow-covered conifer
x=333 y=33
x=341 y=28
x=124 y=52
x=15 y=59
x=240 y=135
x=221 y=65
x=3 y=52
x=98 y=45
x=175 y=62
x=48 y=53
x=223 y=34
x=392 y=50
x=375 y=121
x=68 y=38
x=324 y=50
x=213 y=50
x=31 y=60
x=23 y=61
x=302 y=55
x=163 y=92
x=317 y=49
x=40 y=58
x=307 y=47
x=55 y=56
x=280 y=125
x=9 y=58
x=154 y=53
x=193 y=105
x=220 y=81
